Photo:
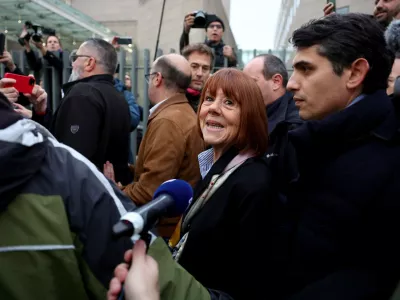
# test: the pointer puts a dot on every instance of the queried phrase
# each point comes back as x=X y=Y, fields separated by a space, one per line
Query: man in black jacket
x=93 y=117
x=270 y=74
x=215 y=28
x=337 y=239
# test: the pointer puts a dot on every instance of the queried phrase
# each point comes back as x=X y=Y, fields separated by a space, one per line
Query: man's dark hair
x=198 y=48
x=174 y=79
x=344 y=38
x=274 y=65
x=106 y=54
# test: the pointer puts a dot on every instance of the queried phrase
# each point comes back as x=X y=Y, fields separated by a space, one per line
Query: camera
x=200 y=19
x=35 y=32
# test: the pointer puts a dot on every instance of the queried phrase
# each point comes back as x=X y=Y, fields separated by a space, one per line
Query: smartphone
x=2 y=43
x=24 y=84
x=123 y=40
x=334 y=4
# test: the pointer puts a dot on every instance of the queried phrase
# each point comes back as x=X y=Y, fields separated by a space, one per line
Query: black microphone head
x=392 y=36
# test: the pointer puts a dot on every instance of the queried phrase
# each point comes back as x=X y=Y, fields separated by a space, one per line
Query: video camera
x=200 y=19
x=35 y=32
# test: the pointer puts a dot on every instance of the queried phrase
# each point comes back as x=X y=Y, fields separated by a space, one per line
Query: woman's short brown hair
x=253 y=128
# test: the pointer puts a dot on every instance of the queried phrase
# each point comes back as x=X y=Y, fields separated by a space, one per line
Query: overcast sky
x=253 y=23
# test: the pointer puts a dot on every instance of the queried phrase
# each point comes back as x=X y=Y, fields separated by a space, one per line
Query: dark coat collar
x=102 y=77
x=281 y=110
x=372 y=117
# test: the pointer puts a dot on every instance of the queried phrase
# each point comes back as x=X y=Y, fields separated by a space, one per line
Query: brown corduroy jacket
x=169 y=149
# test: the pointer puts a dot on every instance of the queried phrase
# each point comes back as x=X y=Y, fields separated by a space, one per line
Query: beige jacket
x=169 y=149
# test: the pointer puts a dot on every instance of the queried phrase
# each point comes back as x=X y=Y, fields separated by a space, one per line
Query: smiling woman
x=234 y=103
x=231 y=201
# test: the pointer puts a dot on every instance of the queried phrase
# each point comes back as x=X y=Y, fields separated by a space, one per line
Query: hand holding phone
x=330 y=7
x=6 y=87
x=117 y=40
x=23 y=84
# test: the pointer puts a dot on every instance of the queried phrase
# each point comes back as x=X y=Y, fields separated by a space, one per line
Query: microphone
x=392 y=36
x=170 y=200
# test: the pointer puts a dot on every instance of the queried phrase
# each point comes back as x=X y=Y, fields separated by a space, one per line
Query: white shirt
x=155 y=107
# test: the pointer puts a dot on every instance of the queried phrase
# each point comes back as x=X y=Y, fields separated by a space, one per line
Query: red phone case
x=24 y=84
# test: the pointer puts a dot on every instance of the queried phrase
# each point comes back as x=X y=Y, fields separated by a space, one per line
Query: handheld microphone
x=392 y=36
x=169 y=200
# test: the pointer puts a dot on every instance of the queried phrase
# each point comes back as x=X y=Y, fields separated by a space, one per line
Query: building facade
x=140 y=19
x=294 y=13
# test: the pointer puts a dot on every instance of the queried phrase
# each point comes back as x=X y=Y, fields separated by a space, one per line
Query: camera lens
x=36 y=37
x=200 y=19
x=31 y=81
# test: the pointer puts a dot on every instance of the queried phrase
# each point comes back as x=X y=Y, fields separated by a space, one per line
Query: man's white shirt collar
x=155 y=107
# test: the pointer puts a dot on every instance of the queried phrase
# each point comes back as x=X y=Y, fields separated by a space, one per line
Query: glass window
x=343 y=10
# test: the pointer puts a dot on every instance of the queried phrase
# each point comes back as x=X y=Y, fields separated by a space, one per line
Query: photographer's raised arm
x=34 y=62
x=187 y=25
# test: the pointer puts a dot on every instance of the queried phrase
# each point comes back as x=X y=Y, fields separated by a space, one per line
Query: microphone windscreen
x=392 y=36
x=180 y=191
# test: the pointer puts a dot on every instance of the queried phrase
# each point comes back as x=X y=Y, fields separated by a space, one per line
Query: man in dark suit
x=337 y=234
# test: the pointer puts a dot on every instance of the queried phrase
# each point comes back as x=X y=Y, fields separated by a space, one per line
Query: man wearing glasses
x=215 y=28
x=171 y=143
x=93 y=117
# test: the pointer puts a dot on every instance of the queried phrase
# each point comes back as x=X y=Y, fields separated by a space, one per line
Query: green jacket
x=56 y=215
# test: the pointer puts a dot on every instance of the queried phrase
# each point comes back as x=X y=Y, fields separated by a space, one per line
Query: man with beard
x=385 y=11
x=200 y=58
x=93 y=117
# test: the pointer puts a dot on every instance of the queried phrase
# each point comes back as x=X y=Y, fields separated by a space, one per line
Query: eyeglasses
x=218 y=26
x=147 y=76
x=74 y=57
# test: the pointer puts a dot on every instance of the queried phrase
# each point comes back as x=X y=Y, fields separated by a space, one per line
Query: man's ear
x=277 y=81
x=90 y=64
x=157 y=80
x=358 y=71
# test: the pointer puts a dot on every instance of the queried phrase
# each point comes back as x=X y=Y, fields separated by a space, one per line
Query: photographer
x=215 y=28
x=51 y=52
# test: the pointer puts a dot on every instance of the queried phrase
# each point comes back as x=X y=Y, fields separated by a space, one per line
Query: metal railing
x=135 y=63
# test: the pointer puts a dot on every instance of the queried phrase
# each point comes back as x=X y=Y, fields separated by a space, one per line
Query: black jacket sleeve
x=16 y=71
x=34 y=61
x=80 y=129
x=184 y=41
x=233 y=61
x=44 y=120
x=54 y=61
